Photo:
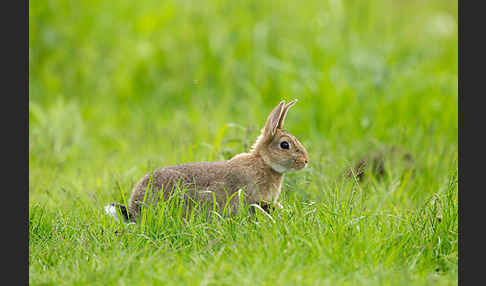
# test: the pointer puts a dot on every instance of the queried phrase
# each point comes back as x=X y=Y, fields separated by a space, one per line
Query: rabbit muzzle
x=301 y=163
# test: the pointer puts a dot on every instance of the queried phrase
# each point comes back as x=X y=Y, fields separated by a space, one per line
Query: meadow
x=117 y=89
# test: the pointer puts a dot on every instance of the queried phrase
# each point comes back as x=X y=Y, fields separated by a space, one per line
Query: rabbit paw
x=266 y=206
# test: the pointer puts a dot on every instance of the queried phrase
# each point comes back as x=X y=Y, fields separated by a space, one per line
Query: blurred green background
x=112 y=85
x=119 y=88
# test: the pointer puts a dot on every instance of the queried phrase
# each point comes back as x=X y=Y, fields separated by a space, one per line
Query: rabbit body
x=258 y=173
x=204 y=181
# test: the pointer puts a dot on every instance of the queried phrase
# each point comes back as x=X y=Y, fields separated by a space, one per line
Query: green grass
x=119 y=89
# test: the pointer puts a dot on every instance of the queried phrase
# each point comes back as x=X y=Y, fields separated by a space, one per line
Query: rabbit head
x=278 y=148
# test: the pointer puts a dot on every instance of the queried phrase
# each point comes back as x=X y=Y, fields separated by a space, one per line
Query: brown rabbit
x=258 y=173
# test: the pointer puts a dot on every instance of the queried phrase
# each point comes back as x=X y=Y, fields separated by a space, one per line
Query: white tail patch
x=111 y=211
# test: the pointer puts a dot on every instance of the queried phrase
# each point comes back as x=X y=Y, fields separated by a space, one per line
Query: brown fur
x=259 y=173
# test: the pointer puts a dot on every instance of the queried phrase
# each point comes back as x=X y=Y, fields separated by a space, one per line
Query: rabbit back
x=201 y=182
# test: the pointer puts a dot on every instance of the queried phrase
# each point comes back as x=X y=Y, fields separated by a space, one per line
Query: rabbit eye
x=284 y=145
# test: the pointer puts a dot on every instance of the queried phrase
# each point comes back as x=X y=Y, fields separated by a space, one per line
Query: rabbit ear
x=284 y=113
x=273 y=119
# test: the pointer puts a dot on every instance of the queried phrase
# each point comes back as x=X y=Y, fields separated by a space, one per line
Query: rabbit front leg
x=278 y=205
x=268 y=207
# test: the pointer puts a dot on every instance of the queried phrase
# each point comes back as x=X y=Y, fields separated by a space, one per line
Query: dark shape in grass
x=375 y=162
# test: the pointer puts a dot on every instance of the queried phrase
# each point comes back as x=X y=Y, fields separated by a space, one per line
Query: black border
x=470 y=161
x=15 y=139
x=15 y=132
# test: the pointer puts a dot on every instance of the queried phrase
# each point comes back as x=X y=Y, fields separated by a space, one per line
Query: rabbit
x=258 y=174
